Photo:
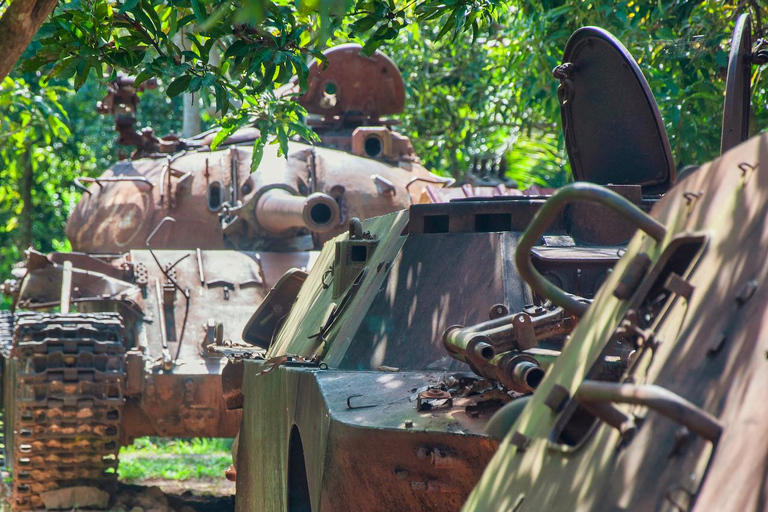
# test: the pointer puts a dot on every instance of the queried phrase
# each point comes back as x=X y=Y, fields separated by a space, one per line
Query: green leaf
x=449 y=25
x=178 y=86
x=258 y=152
x=198 y=10
x=195 y=83
x=82 y=75
x=305 y=132
x=128 y=5
x=282 y=137
x=222 y=135
x=363 y=25
x=234 y=48
x=371 y=46
x=221 y=98
x=142 y=77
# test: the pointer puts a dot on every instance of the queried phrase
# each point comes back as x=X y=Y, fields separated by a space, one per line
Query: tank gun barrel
x=278 y=210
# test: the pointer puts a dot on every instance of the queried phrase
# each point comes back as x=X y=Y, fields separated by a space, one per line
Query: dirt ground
x=162 y=496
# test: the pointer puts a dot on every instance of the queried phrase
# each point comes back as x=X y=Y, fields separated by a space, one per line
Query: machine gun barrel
x=514 y=370
x=479 y=344
x=278 y=210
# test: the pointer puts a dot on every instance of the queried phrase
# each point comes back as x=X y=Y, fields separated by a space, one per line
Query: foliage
x=478 y=79
x=175 y=459
x=228 y=50
x=496 y=94
x=466 y=100
x=33 y=128
x=478 y=72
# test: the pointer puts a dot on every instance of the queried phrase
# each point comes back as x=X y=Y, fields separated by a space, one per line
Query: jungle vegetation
x=478 y=76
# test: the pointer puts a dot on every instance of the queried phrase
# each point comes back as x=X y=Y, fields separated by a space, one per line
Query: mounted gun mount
x=122 y=103
x=614 y=135
x=173 y=250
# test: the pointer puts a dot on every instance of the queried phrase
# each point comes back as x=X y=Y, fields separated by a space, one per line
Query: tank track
x=69 y=402
x=6 y=344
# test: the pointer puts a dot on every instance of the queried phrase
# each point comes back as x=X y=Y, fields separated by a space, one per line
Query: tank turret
x=361 y=168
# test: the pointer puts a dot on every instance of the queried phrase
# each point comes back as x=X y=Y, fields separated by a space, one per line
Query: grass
x=150 y=458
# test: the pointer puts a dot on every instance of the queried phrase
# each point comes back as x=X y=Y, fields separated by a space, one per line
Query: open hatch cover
x=737 y=86
x=613 y=130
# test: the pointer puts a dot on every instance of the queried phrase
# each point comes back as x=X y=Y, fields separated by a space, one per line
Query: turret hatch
x=613 y=130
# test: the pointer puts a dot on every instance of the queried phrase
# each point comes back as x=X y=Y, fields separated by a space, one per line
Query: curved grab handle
x=568 y=194
x=656 y=398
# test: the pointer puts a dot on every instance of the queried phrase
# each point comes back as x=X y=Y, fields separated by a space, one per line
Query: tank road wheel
x=68 y=403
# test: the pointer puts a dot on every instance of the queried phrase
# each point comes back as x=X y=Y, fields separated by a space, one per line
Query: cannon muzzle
x=277 y=210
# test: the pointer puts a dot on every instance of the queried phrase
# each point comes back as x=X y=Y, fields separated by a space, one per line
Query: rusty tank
x=654 y=403
x=382 y=368
x=172 y=250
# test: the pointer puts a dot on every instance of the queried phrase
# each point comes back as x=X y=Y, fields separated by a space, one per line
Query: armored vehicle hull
x=357 y=404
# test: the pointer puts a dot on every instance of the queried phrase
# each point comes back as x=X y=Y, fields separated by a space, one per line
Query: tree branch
x=18 y=26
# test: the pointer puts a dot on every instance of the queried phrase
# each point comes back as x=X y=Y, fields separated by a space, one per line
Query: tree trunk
x=18 y=26
x=191 y=119
x=26 y=183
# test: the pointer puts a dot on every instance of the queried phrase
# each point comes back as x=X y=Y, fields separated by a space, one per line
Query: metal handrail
x=80 y=180
x=437 y=180
x=568 y=194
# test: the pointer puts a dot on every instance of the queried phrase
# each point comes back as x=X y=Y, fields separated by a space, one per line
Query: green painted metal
x=702 y=344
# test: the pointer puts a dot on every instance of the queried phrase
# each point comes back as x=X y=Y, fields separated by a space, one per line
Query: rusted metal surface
x=354 y=85
x=232 y=384
x=442 y=194
x=275 y=306
x=698 y=364
x=278 y=210
x=605 y=98
x=69 y=402
x=655 y=398
x=216 y=203
x=414 y=459
x=519 y=331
